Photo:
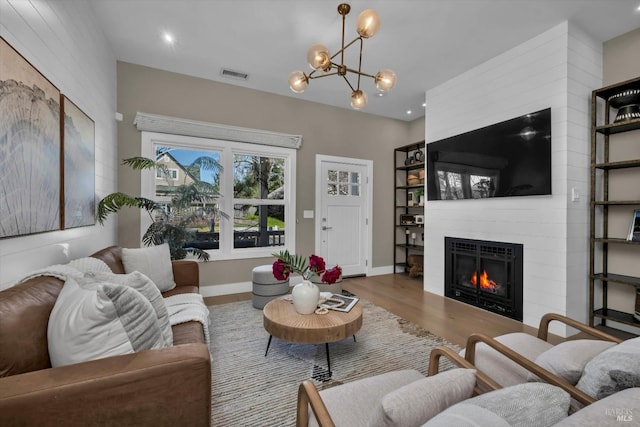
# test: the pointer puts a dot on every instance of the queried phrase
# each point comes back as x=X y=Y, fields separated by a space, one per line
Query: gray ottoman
x=266 y=287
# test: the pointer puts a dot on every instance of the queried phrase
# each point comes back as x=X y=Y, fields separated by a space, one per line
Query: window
x=465 y=182
x=253 y=214
x=170 y=174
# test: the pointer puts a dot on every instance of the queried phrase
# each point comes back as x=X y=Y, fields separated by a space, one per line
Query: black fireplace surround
x=485 y=274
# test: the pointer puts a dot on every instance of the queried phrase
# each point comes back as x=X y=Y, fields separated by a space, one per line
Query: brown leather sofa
x=161 y=387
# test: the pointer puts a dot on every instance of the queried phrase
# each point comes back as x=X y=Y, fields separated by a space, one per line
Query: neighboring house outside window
x=256 y=189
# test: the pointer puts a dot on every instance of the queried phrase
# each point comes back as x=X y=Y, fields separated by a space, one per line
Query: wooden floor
x=404 y=296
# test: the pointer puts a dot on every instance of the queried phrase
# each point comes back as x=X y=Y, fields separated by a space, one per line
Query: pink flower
x=316 y=264
x=281 y=270
x=331 y=276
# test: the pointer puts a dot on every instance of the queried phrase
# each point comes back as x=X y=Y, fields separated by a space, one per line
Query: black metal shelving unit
x=601 y=242
x=404 y=168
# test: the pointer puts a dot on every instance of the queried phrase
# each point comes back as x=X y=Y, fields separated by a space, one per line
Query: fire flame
x=485 y=282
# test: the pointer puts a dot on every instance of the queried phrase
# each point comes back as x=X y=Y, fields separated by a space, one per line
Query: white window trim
x=178 y=126
x=226 y=251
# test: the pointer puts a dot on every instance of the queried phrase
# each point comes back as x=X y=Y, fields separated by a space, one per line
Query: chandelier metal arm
x=324 y=65
x=341 y=51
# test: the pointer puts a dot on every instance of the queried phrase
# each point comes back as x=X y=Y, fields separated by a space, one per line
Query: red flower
x=331 y=276
x=316 y=264
x=281 y=270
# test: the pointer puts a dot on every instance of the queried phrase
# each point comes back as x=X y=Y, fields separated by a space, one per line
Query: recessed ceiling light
x=424 y=104
x=638 y=9
x=409 y=112
x=168 y=38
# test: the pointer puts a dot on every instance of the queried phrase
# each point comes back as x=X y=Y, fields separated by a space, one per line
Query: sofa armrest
x=162 y=387
x=186 y=273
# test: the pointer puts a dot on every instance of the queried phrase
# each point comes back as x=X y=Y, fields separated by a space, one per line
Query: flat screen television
x=511 y=158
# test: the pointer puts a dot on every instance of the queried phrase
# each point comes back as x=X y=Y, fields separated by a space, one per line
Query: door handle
x=324 y=228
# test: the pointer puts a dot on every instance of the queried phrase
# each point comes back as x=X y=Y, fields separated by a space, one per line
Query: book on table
x=340 y=303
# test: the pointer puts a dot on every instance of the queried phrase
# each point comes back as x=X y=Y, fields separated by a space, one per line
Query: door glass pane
x=343 y=176
x=332 y=189
x=332 y=176
x=344 y=189
x=355 y=177
x=355 y=190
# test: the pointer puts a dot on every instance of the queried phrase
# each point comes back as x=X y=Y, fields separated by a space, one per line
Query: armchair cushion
x=618 y=409
x=148 y=289
x=503 y=370
x=615 y=369
x=568 y=359
x=152 y=261
x=95 y=320
x=354 y=403
x=529 y=404
x=419 y=401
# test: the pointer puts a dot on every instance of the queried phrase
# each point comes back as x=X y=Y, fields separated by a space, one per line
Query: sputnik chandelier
x=323 y=65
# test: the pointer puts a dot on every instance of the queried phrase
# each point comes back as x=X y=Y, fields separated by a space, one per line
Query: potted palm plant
x=172 y=222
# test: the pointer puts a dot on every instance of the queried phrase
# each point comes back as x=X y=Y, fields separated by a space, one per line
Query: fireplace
x=485 y=274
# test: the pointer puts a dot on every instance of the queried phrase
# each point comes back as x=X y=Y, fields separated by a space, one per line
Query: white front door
x=343 y=206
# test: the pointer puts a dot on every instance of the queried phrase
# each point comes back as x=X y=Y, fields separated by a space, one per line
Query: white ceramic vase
x=305 y=297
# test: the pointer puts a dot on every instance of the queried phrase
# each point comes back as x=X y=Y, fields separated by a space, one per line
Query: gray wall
x=325 y=130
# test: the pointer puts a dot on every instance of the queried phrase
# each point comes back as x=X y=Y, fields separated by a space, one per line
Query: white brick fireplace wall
x=556 y=69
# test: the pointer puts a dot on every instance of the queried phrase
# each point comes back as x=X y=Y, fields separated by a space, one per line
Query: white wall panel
x=556 y=69
x=60 y=39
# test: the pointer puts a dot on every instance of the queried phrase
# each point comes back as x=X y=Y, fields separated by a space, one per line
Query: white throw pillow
x=568 y=359
x=615 y=369
x=100 y=320
x=528 y=404
x=148 y=289
x=416 y=403
x=152 y=261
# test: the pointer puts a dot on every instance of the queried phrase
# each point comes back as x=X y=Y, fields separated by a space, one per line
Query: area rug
x=249 y=389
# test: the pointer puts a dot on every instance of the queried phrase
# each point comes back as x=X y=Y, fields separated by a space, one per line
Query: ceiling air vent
x=230 y=74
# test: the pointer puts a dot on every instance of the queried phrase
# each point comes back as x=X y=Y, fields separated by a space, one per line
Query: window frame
x=227 y=149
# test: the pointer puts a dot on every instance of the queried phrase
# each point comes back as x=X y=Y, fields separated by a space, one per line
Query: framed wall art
x=29 y=148
x=78 y=142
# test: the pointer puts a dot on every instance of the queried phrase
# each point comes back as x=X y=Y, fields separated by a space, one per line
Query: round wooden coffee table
x=282 y=321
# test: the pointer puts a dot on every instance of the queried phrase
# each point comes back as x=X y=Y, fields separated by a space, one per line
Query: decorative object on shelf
x=409 y=161
x=306 y=294
x=419 y=219
x=413 y=178
x=416 y=265
x=628 y=104
x=321 y=61
x=407 y=219
x=419 y=156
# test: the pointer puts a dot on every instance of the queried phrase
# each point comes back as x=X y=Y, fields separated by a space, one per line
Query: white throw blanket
x=75 y=269
x=184 y=308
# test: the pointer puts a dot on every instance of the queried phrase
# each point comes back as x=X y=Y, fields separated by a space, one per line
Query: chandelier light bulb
x=385 y=80
x=358 y=99
x=319 y=57
x=368 y=23
x=298 y=81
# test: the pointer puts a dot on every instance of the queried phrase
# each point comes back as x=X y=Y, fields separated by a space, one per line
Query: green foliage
x=115 y=201
x=189 y=203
